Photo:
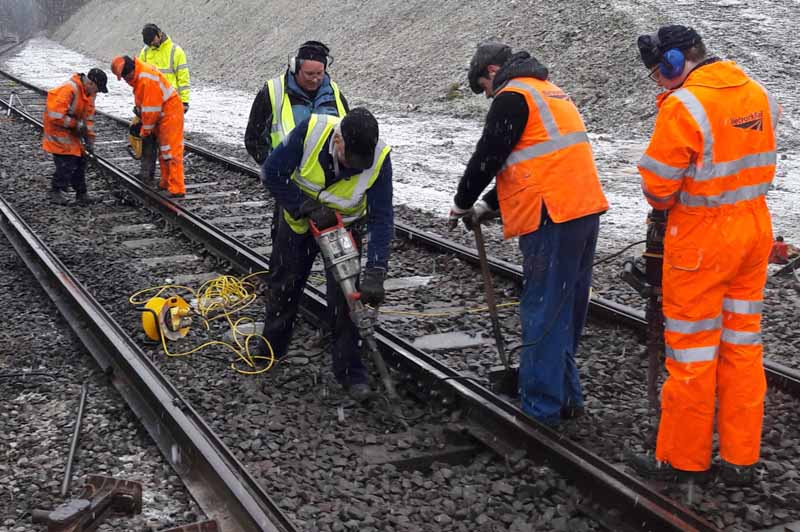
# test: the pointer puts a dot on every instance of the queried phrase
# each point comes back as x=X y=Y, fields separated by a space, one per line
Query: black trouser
x=70 y=172
x=290 y=265
x=149 y=157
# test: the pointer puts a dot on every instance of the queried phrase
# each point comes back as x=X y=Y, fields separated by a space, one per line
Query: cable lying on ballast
x=218 y=298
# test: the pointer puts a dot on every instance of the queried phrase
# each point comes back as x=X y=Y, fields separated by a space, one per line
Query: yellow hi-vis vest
x=170 y=60
x=282 y=116
x=347 y=196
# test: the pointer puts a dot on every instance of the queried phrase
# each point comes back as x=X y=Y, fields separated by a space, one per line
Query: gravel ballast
x=289 y=430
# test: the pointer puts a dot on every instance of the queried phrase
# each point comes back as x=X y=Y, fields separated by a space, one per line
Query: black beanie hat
x=653 y=46
x=315 y=51
x=360 y=132
x=488 y=53
x=150 y=32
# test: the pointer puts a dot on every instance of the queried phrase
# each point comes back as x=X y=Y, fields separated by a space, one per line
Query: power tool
x=648 y=284
x=342 y=259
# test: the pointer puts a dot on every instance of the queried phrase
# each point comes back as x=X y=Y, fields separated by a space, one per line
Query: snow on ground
x=429 y=151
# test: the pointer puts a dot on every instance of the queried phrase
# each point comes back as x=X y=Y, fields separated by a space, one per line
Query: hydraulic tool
x=342 y=259
x=648 y=284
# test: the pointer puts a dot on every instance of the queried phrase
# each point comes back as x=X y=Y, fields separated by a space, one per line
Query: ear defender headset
x=295 y=62
x=670 y=63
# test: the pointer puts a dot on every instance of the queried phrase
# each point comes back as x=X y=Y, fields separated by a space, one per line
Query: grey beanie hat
x=488 y=53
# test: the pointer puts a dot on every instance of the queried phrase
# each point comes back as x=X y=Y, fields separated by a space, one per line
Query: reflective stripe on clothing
x=692 y=354
x=706 y=169
x=67 y=105
x=689 y=327
x=662 y=170
x=169 y=60
x=61 y=139
x=728 y=197
x=714 y=141
x=166 y=91
x=347 y=196
x=282 y=115
x=742 y=306
x=741 y=337
x=557 y=140
x=363 y=181
x=551 y=160
x=283 y=119
x=543 y=148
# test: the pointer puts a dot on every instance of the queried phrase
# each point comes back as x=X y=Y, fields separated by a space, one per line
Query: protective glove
x=372 y=292
x=136 y=129
x=480 y=213
x=456 y=213
x=185 y=108
x=89 y=146
x=137 y=112
x=82 y=129
x=322 y=216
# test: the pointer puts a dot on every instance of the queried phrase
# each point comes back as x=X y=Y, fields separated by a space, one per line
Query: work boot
x=84 y=199
x=737 y=476
x=572 y=412
x=147 y=180
x=648 y=467
x=359 y=392
x=58 y=197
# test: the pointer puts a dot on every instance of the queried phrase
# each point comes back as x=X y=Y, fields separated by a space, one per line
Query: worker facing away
x=535 y=144
x=782 y=252
x=304 y=88
x=328 y=165
x=710 y=162
x=69 y=130
x=161 y=114
x=168 y=58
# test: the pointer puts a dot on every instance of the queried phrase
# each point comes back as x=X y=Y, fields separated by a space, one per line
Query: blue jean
x=290 y=265
x=70 y=172
x=555 y=299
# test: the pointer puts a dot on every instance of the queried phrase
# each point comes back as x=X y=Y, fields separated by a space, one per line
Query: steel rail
x=220 y=484
x=637 y=503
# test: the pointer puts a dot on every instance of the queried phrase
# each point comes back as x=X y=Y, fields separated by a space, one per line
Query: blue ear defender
x=672 y=63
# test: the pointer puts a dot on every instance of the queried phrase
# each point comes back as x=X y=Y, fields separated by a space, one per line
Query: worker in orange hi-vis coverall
x=710 y=163
x=161 y=112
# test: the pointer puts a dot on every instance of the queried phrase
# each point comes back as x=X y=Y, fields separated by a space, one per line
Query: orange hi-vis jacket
x=710 y=161
x=68 y=106
x=162 y=116
x=707 y=152
x=552 y=163
x=153 y=95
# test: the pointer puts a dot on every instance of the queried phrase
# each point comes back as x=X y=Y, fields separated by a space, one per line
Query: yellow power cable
x=475 y=310
x=220 y=298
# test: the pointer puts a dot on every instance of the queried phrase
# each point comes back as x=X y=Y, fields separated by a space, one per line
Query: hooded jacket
x=504 y=126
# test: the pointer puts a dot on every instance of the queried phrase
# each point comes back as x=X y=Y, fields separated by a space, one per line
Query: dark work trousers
x=290 y=265
x=149 y=156
x=70 y=172
x=557 y=265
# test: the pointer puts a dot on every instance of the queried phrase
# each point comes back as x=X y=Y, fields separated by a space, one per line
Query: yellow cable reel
x=173 y=318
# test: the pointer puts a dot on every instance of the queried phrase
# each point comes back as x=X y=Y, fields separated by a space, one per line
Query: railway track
x=439 y=381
